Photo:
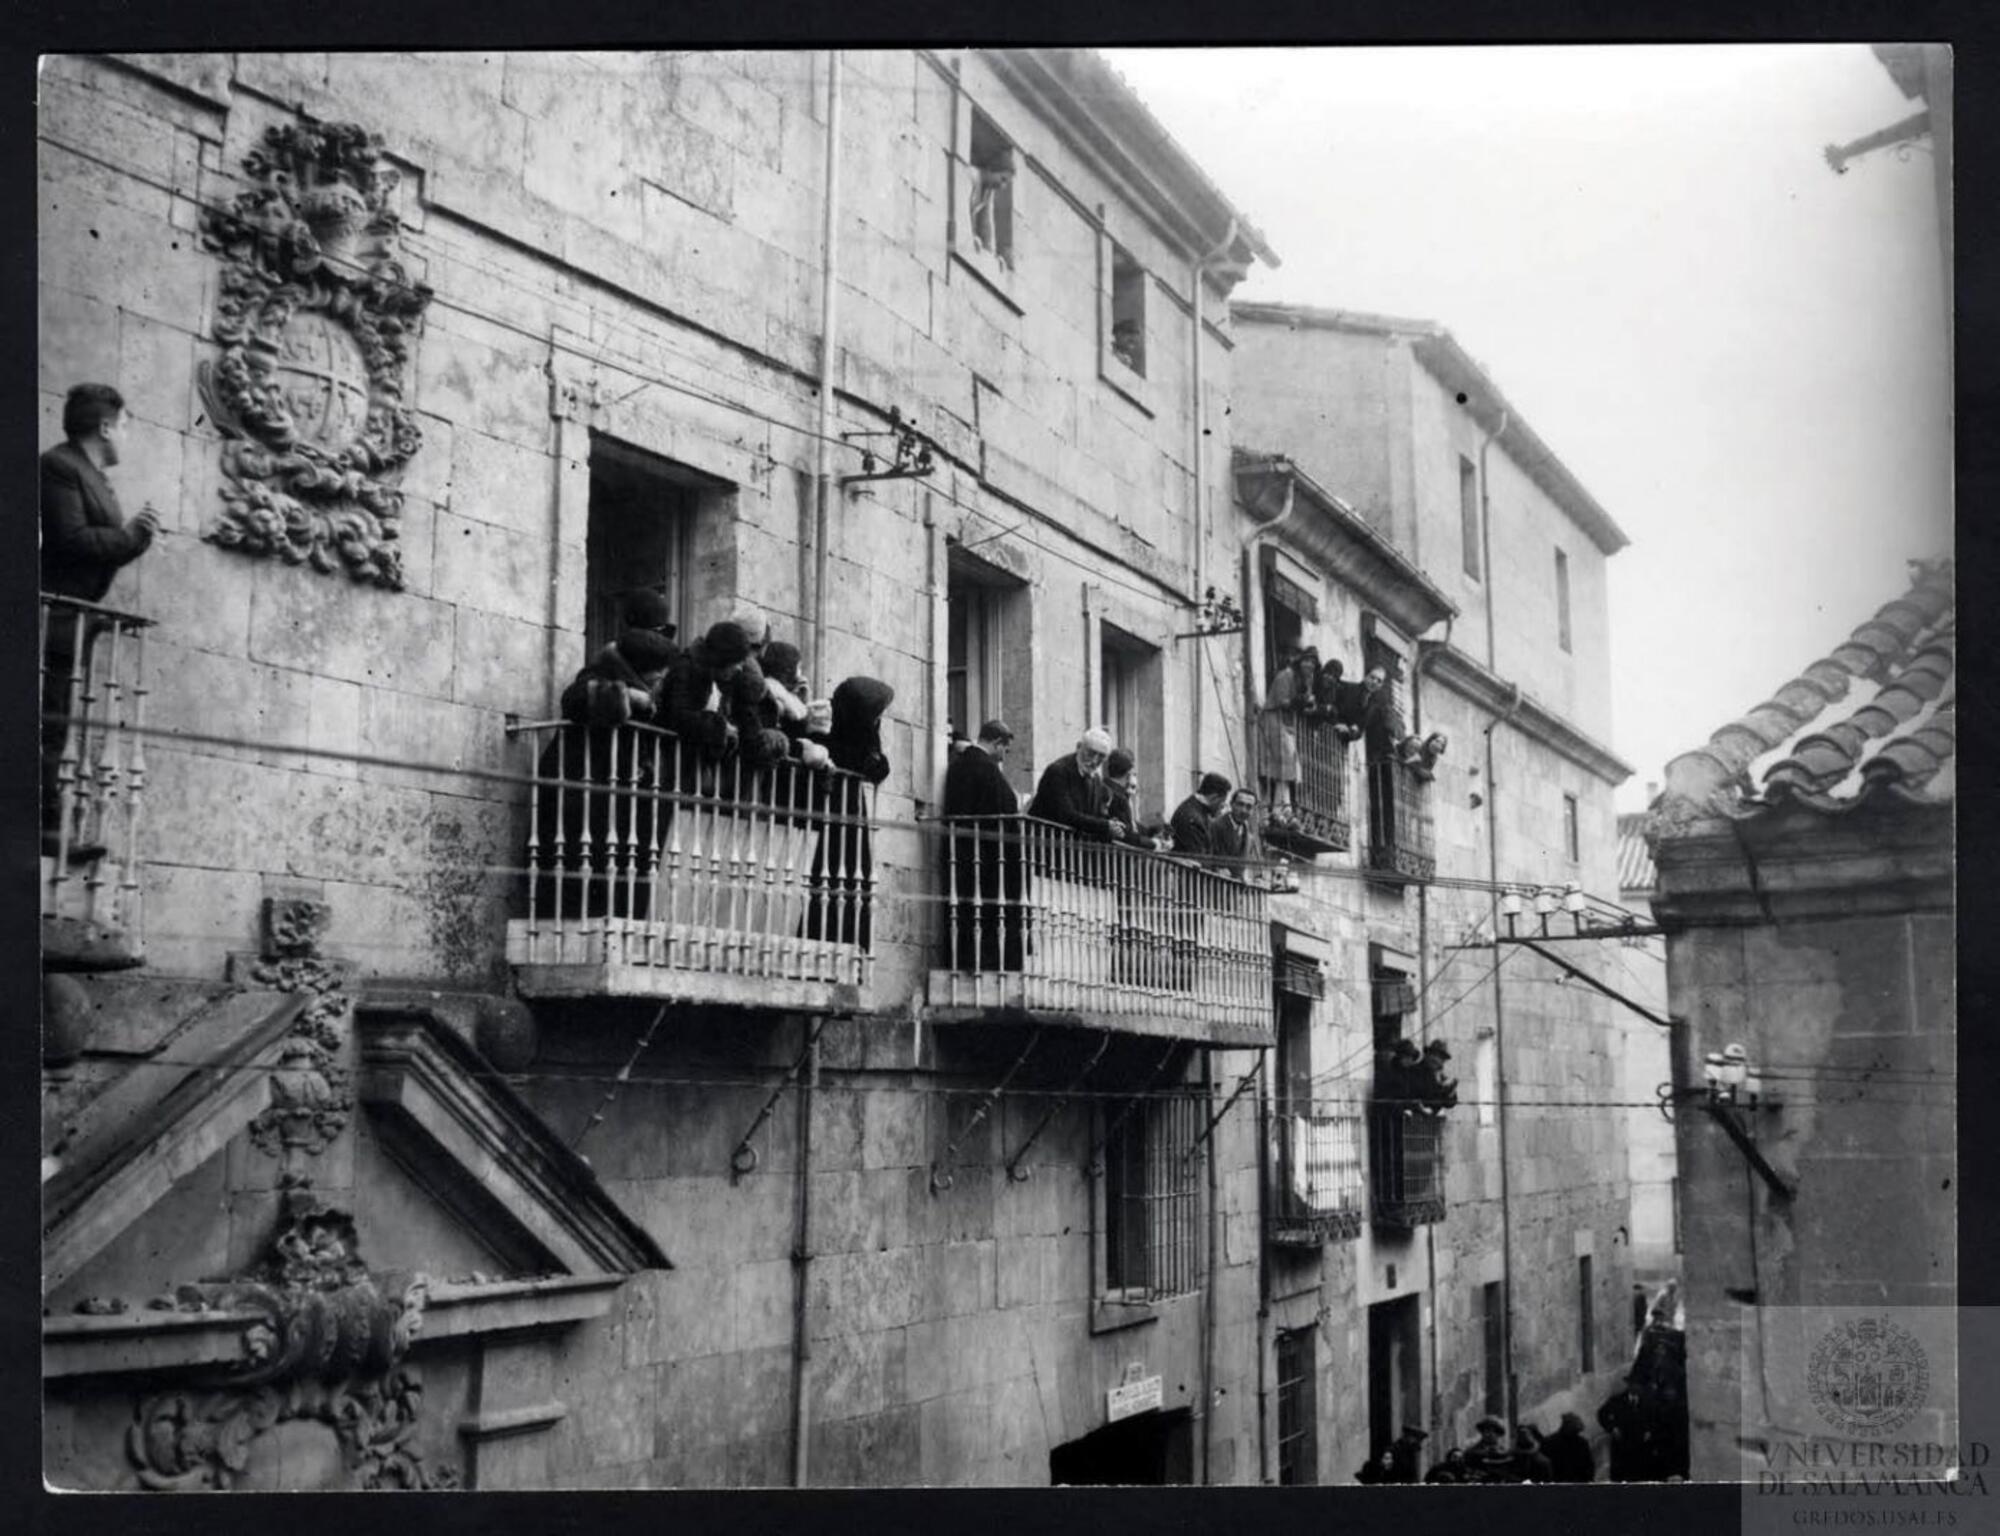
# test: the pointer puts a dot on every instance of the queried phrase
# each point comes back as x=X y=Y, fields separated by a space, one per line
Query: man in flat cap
x=986 y=858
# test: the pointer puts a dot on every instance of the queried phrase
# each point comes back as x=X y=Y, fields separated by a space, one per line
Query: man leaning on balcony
x=85 y=540
x=1072 y=792
x=986 y=854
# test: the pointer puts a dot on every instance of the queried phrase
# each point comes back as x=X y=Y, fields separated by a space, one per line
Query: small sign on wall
x=1122 y=1402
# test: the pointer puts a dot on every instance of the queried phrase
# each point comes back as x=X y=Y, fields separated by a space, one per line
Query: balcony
x=1320 y=819
x=1400 y=846
x=1320 y=1195
x=93 y=784
x=655 y=873
x=1048 y=925
x=1406 y=1161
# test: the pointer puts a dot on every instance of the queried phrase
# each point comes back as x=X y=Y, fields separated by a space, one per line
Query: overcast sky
x=1737 y=351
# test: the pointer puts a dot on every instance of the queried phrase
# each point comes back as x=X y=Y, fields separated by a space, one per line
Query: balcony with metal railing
x=655 y=872
x=93 y=766
x=1046 y=924
x=1406 y=1165
x=1400 y=846
x=1320 y=817
x=1320 y=1194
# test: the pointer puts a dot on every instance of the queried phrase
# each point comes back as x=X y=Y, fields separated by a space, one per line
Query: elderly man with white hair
x=1072 y=791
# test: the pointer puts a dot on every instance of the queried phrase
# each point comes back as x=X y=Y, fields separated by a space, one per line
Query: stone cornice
x=1326 y=531
x=442 y=1110
x=1467 y=678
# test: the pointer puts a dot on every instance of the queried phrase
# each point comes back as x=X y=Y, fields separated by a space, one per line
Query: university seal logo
x=1868 y=1376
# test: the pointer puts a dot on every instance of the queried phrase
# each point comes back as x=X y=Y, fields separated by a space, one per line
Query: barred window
x=1492 y=1317
x=1298 y=1439
x=1152 y=1198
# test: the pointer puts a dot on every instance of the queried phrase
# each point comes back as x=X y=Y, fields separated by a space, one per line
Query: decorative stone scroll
x=324 y=1355
x=312 y=1097
x=314 y=323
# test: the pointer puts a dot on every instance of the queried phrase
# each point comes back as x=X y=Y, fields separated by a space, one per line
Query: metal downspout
x=1209 y=1289
x=829 y=354
x=1500 y=1060
x=1198 y=466
x=1423 y=990
x=823 y=475
x=1264 y=1277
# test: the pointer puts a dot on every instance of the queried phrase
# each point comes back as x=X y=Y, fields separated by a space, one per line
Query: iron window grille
x=1152 y=1198
x=1298 y=1449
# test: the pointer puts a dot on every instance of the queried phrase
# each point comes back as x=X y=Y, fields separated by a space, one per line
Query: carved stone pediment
x=314 y=324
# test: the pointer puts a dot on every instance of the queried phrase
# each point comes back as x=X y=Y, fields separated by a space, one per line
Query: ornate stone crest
x=325 y=1356
x=314 y=324
x=1868 y=1376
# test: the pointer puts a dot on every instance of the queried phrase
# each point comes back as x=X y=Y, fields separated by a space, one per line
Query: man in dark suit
x=1072 y=792
x=985 y=855
x=1191 y=825
x=85 y=539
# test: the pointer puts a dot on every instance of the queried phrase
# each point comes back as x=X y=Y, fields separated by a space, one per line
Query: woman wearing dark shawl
x=844 y=868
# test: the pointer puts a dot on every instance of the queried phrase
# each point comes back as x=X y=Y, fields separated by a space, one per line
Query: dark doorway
x=1148 y=1450
x=1395 y=1371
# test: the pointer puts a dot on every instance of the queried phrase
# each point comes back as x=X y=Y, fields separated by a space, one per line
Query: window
x=1298 y=1458
x=646 y=530
x=1493 y=1322
x=1572 y=832
x=990 y=202
x=1562 y=600
x=1128 y=310
x=1152 y=1198
x=1131 y=706
x=987 y=650
x=1586 y=1320
x=1468 y=514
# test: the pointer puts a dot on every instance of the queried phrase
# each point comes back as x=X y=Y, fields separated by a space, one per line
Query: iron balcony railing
x=1321 y=813
x=1399 y=821
x=1320 y=1192
x=644 y=857
x=1406 y=1165
x=1041 y=918
x=93 y=763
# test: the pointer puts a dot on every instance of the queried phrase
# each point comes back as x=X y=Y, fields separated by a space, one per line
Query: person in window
x=989 y=188
x=1121 y=781
x=1193 y=822
x=644 y=610
x=1422 y=756
x=1072 y=792
x=86 y=541
x=1400 y=1077
x=1292 y=691
x=598 y=786
x=843 y=875
x=986 y=861
x=1433 y=1087
x=691 y=698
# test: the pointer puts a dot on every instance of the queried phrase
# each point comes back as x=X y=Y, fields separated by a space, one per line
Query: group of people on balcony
x=1306 y=692
x=1094 y=792
x=744 y=741
x=1413 y=1079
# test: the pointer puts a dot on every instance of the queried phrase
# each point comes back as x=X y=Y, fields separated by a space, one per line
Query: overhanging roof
x=1455 y=368
x=1338 y=539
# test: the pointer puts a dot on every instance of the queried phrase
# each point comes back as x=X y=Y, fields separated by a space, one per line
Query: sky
x=1739 y=353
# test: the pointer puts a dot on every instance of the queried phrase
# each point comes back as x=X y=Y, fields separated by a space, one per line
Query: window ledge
x=988 y=268
x=1127 y=381
x=1108 y=1314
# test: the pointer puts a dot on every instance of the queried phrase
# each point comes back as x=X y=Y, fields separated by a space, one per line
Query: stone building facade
x=420 y=401
x=1448 y=543
x=1805 y=858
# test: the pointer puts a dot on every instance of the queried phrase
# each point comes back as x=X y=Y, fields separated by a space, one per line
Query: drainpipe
x=1264 y=1278
x=1253 y=617
x=1209 y=1290
x=1486 y=538
x=1424 y=654
x=1500 y=1049
x=1198 y=463
x=802 y=1267
x=823 y=477
x=828 y=356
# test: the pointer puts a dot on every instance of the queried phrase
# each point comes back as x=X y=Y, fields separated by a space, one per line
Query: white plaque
x=1134 y=1397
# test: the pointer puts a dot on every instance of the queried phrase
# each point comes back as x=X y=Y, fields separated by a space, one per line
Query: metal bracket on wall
x=911 y=458
x=744 y=1158
x=1095 y=1162
x=1216 y=614
x=1015 y=1170
x=1216 y=1119
x=1726 y=1117
x=941 y=1169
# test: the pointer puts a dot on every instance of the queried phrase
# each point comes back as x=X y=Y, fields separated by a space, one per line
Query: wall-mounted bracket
x=910 y=457
x=1016 y=1170
x=744 y=1158
x=1216 y=614
x=941 y=1179
x=1726 y=1117
x=1216 y=1119
x=1095 y=1162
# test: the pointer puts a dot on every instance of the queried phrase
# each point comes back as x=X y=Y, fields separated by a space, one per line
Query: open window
x=654 y=525
x=1131 y=705
x=988 y=666
x=1128 y=310
x=986 y=199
